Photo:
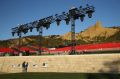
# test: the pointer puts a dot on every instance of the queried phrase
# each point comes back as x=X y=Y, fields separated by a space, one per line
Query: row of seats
x=78 y=48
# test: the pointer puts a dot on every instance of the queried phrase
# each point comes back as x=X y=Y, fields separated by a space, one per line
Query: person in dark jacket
x=24 y=66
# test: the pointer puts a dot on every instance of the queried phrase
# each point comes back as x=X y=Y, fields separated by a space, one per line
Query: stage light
x=40 y=23
x=89 y=10
x=57 y=20
x=13 y=33
x=67 y=18
x=18 y=34
x=46 y=22
x=90 y=14
x=37 y=28
x=81 y=13
x=25 y=31
x=67 y=21
x=82 y=17
x=47 y=26
x=31 y=28
x=74 y=13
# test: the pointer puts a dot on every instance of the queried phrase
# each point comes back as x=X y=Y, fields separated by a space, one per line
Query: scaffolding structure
x=70 y=16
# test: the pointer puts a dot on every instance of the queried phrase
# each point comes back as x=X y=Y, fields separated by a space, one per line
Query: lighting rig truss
x=73 y=14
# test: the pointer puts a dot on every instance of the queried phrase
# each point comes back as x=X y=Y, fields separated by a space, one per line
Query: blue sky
x=14 y=12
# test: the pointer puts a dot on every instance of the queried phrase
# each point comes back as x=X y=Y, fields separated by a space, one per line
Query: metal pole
x=19 y=43
x=72 y=36
x=40 y=38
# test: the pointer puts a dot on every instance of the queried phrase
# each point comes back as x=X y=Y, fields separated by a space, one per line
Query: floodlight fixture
x=31 y=28
x=58 y=20
x=13 y=33
x=67 y=18
x=81 y=13
x=37 y=28
x=18 y=34
x=74 y=13
x=89 y=10
x=46 y=25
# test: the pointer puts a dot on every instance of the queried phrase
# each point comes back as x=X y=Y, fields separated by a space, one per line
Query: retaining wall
x=93 y=63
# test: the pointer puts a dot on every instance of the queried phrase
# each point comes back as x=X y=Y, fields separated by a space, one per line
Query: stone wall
x=90 y=63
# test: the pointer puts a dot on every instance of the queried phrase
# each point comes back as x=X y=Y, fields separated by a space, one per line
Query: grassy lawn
x=58 y=76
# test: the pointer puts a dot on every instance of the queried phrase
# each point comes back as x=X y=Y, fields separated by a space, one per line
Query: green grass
x=59 y=76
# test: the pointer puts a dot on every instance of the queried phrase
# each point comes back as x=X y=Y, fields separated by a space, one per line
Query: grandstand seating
x=89 y=47
x=5 y=50
x=24 y=49
x=78 y=48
